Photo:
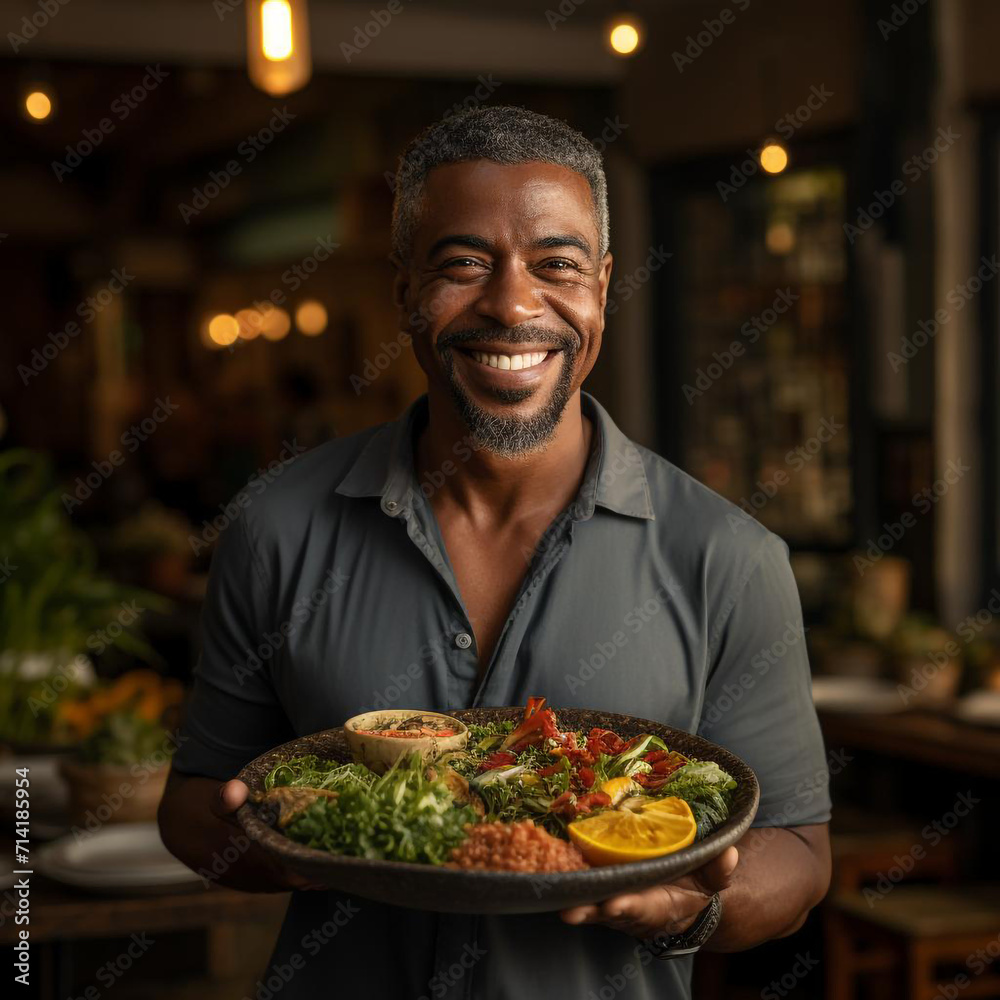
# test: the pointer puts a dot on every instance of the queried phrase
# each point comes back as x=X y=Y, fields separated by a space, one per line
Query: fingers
x=579 y=914
x=232 y=794
x=664 y=908
x=629 y=912
x=718 y=873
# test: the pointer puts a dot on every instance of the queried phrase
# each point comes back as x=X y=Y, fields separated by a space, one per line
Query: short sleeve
x=234 y=714
x=758 y=699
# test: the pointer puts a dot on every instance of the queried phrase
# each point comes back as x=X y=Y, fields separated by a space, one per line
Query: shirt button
x=390 y=505
x=463 y=640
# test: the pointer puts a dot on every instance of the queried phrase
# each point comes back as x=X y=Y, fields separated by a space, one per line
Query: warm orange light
x=275 y=324
x=625 y=37
x=223 y=329
x=249 y=321
x=38 y=104
x=311 y=317
x=773 y=158
x=276 y=29
x=780 y=238
x=278 y=50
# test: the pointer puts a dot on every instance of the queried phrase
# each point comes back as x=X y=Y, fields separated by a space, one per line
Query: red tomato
x=604 y=741
x=565 y=804
x=545 y=772
x=593 y=800
x=499 y=759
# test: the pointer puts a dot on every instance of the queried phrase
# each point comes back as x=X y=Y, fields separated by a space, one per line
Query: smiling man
x=504 y=539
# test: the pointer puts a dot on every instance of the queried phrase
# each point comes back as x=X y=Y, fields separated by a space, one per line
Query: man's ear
x=400 y=288
x=604 y=279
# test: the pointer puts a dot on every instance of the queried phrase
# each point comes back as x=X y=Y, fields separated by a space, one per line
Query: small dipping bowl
x=379 y=752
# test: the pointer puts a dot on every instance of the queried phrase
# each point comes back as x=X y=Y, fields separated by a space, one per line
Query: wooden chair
x=937 y=941
x=862 y=854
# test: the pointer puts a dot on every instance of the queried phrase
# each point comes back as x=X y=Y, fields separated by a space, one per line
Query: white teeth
x=510 y=362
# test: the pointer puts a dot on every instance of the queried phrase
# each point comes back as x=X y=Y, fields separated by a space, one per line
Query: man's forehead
x=477 y=191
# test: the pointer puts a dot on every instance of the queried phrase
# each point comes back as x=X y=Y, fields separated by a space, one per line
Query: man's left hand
x=664 y=909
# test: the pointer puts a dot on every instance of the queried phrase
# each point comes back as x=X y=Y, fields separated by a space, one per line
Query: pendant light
x=278 y=57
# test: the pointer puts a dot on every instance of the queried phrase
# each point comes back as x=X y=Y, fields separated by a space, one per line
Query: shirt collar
x=615 y=478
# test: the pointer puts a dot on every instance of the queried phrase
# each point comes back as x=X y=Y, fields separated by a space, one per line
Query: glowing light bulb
x=38 y=104
x=278 y=50
x=311 y=317
x=625 y=37
x=773 y=158
x=276 y=29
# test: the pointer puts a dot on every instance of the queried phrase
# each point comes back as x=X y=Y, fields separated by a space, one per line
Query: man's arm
x=783 y=873
x=758 y=703
x=767 y=887
x=198 y=825
x=233 y=715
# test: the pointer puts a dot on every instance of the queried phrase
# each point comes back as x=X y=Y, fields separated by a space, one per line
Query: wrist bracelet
x=669 y=946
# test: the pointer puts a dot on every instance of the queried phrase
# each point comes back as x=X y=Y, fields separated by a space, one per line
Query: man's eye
x=461 y=262
x=561 y=264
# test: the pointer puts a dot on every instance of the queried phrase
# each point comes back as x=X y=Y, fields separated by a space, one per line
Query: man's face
x=504 y=294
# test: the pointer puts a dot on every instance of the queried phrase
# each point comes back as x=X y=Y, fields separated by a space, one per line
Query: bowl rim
x=350 y=725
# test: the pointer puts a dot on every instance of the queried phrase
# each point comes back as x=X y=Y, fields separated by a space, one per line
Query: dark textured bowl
x=427 y=887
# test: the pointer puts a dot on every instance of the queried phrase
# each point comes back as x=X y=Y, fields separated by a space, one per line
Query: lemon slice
x=617 y=788
x=639 y=830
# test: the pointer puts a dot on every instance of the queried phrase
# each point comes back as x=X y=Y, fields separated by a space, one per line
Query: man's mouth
x=509 y=362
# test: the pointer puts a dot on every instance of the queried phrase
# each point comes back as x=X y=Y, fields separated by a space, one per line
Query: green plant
x=53 y=598
x=123 y=737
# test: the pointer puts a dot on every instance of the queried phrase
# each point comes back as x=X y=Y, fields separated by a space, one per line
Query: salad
x=521 y=796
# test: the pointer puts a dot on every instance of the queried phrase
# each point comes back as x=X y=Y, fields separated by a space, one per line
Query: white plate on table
x=861 y=695
x=981 y=708
x=127 y=858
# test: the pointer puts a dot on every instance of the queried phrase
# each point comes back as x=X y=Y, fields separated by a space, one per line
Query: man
x=504 y=539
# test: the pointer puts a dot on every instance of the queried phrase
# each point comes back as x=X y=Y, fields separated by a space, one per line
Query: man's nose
x=510 y=297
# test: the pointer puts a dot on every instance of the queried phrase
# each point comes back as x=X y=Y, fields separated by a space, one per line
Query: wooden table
x=60 y=915
x=924 y=737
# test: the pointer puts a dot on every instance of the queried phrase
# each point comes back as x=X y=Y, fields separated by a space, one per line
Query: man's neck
x=489 y=488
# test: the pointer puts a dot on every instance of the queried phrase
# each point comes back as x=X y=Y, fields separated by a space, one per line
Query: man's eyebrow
x=563 y=240
x=480 y=243
x=461 y=240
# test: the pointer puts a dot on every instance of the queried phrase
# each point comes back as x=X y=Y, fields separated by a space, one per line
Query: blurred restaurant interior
x=805 y=217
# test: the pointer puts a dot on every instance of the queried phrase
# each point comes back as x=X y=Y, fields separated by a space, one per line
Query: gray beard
x=513 y=436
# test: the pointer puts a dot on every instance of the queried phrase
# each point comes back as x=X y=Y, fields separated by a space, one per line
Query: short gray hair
x=503 y=134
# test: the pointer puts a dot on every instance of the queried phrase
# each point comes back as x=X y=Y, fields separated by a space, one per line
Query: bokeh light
x=38 y=104
x=773 y=158
x=311 y=317
x=249 y=321
x=624 y=37
x=275 y=324
x=223 y=329
x=780 y=238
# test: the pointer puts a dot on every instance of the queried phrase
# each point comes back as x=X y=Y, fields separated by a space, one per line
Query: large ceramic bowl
x=449 y=890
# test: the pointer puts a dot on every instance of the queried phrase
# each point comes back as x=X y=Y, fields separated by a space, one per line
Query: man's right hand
x=197 y=818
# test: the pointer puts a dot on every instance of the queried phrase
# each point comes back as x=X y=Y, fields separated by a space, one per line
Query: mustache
x=527 y=334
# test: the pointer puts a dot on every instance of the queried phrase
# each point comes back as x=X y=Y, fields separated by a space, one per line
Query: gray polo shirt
x=331 y=593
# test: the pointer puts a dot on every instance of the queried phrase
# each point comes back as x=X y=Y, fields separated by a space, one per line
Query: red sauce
x=406 y=734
